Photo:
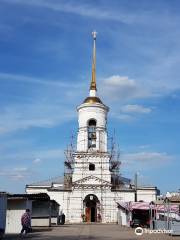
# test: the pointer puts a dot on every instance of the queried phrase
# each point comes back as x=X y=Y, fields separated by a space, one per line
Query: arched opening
x=92 y=122
x=91 y=204
x=91 y=167
x=92 y=133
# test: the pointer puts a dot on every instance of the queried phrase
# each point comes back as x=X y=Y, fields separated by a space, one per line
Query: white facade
x=91 y=196
x=146 y=194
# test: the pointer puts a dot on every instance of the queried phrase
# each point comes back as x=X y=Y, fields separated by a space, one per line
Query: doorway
x=93 y=214
x=90 y=203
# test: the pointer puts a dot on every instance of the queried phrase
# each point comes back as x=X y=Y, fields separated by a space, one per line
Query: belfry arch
x=92 y=133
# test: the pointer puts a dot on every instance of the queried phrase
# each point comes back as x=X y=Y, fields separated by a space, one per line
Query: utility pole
x=136 y=185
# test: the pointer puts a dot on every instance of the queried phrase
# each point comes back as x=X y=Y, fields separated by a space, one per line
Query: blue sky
x=45 y=70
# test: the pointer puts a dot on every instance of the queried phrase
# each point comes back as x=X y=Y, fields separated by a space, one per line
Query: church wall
x=63 y=198
x=73 y=206
x=146 y=195
x=34 y=190
x=71 y=203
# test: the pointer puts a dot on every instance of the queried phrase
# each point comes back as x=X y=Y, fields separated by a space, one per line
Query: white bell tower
x=92 y=133
x=92 y=117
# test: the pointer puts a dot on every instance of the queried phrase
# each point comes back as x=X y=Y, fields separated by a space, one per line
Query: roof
x=49 y=182
x=174 y=208
x=42 y=196
x=3 y=193
x=147 y=188
x=158 y=202
x=38 y=196
x=125 y=180
x=57 y=188
x=133 y=205
x=123 y=189
x=174 y=199
x=92 y=100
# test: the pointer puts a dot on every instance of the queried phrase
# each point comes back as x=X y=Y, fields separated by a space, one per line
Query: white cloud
x=85 y=9
x=123 y=117
x=37 y=160
x=23 y=174
x=20 y=169
x=38 y=155
x=35 y=114
x=144 y=146
x=48 y=109
x=120 y=81
x=103 y=12
x=32 y=80
x=49 y=154
x=122 y=88
x=135 y=109
x=18 y=173
x=145 y=160
x=146 y=157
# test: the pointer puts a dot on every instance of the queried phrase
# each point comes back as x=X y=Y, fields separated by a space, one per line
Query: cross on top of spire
x=94 y=34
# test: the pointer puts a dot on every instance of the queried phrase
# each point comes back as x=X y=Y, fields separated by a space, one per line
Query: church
x=92 y=184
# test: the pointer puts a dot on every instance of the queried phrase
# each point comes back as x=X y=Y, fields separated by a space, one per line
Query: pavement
x=90 y=232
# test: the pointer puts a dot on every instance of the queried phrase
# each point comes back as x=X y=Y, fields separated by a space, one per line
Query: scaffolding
x=114 y=165
x=72 y=158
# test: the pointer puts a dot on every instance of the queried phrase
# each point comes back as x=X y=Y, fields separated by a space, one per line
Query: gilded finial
x=93 y=80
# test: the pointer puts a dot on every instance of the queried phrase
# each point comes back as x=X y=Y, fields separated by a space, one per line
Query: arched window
x=92 y=133
x=92 y=122
x=91 y=167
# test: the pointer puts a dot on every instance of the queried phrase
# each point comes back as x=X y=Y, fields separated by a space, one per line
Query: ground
x=90 y=232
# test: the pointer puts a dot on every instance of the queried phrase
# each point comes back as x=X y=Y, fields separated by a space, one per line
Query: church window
x=91 y=167
x=92 y=133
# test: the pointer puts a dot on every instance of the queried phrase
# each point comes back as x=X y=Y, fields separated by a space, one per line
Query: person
x=26 y=222
x=99 y=217
x=63 y=219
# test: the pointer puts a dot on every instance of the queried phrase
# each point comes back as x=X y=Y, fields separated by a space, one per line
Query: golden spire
x=93 y=80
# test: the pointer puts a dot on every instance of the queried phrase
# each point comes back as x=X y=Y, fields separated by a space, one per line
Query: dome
x=92 y=100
